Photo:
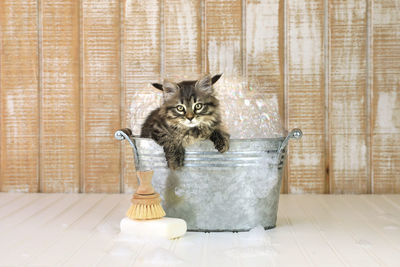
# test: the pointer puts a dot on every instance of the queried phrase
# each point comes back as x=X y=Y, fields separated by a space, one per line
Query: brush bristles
x=145 y=212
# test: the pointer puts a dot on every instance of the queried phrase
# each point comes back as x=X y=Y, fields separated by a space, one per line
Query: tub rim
x=126 y=134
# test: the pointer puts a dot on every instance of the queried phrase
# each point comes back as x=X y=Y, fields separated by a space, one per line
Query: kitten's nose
x=190 y=117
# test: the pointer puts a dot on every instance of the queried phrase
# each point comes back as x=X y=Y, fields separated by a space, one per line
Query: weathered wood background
x=73 y=72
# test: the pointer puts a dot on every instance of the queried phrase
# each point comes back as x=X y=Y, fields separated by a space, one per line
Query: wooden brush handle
x=145 y=186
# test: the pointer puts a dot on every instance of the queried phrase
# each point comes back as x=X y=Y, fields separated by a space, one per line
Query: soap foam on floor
x=247 y=252
x=121 y=249
x=255 y=237
x=255 y=243
x=258 y=233
x=155 y=251
x=108 y=228
x=134 y=240
x=160 y=257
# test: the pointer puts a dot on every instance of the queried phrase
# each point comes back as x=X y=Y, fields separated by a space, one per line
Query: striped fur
x=190 y=113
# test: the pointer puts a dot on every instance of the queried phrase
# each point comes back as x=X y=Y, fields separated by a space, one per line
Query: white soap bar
x=165 y=227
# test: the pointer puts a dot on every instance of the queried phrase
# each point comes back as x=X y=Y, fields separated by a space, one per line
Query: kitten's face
x=190 y=107
x=191 y=103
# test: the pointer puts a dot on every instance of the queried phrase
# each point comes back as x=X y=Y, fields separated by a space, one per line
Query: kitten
x=190 y=113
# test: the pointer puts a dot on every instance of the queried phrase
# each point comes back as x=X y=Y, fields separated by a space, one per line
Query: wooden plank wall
x=347 y=81
x=305 y=98
x=19 y=127
x=101 y=95
x=73 y=72
x=60 y=101
x=385 y=94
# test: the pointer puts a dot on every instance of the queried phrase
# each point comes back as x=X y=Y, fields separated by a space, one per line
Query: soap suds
x=133 y=239
x=255 y=243
x=128 y=244
x=121 y=249
x=363 y=243
x=159 y=257
x=391 y=227
x=247 y=252
x=255 y=237
x=108 y=228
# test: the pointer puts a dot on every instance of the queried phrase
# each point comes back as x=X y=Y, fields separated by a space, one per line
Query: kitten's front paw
x=175 y=157
x=221 y=141
x=176 y=162
x=174 y=165
x=223 y=145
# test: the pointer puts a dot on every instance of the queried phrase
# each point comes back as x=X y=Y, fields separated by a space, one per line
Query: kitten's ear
x=158 y=86
x=215 y=78
x=169 y=89
x=205 y=84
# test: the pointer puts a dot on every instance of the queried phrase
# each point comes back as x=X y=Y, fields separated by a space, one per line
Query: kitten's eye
x=180 y=108
x=198 y=106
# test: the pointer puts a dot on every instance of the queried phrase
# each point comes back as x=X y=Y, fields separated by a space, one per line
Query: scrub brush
x=146 y=203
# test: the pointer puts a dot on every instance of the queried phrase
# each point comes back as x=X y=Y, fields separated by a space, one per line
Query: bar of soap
x=165 y=227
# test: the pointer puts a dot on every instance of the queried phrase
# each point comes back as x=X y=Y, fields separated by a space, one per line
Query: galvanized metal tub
x=233 y=191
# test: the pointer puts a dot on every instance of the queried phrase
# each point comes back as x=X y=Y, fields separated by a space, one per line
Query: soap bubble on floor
x=134 y=240
x=255 y=237
x=152 y=251
x=108 y=228
x=120 y=249
x=254 y=243
x=248 y=252
x=159 y=257
x=363 y=243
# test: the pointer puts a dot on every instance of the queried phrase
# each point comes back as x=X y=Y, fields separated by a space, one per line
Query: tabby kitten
x=190 y=113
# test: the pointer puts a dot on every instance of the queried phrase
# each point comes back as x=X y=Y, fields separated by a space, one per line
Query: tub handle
x=126 y=134
x=295 y=134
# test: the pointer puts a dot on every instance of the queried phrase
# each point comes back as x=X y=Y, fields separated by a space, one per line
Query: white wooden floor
x=313 y=230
